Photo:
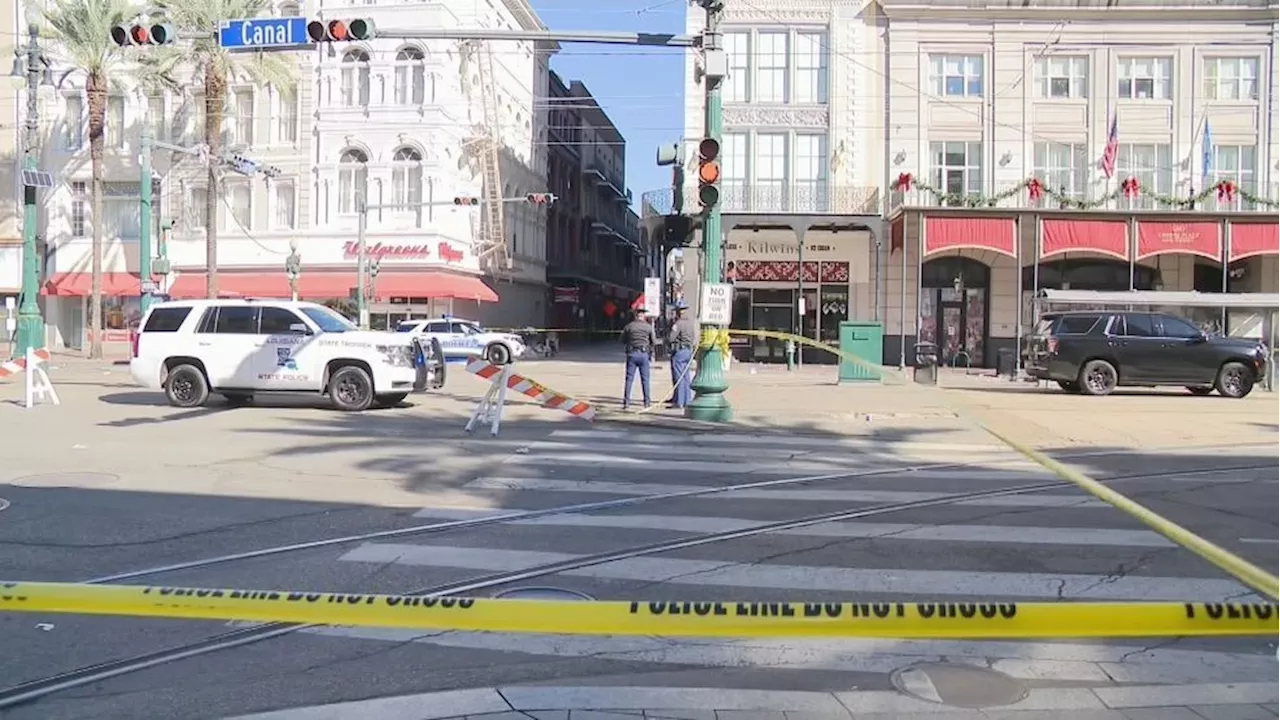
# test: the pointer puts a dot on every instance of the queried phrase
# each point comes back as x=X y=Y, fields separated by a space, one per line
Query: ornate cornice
x=783 y=116
x=737 y=14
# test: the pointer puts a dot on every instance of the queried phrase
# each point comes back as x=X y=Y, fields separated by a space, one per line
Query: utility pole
x=709 y=403
x=30 y=330
x=146 y=285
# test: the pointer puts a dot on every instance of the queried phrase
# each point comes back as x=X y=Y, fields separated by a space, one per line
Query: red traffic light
x=159 y=34
x=337 y=30
x=466 y=201
x=539 y=198
x=340 y=30
x=708 y=149
x=139 y=35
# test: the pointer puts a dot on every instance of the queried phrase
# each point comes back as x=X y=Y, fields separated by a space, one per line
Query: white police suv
x=465 y=338
x=241 y=347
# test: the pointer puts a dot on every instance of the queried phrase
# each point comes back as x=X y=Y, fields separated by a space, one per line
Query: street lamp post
x=293 y=268
x=30 y=331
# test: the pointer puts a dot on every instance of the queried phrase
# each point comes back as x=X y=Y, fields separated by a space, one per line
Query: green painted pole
x=709 y=403
x=144 y=218
x=30 y=331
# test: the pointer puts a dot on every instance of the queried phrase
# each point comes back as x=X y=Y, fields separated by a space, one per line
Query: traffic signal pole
x=144 y=217
x=709 y=403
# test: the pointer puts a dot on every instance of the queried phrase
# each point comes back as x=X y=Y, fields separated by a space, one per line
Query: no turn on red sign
x=716 y=307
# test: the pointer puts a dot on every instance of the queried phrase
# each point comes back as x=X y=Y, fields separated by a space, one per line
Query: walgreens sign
x=382 y=251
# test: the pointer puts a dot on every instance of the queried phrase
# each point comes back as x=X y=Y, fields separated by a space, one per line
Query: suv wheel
x=1234 y=380
x=186 y=387
x=1070 y=386
x=1098 y=377
x=498 y=354
x=351 y=389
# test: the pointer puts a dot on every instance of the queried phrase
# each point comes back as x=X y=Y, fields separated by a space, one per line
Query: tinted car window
x=1178 y=328
x=276 y=321
x=406 y=327
x=437 y=327
x=1077 y=324
x=237 y=320
x=166 y=319
x=1139 y=326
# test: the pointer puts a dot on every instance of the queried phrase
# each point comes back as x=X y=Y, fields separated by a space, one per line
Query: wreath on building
x=1226 y=191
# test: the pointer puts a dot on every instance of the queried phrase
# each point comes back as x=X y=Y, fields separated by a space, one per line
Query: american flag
x=1112 y=149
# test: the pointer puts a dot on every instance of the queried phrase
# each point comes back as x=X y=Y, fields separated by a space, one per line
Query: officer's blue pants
x=637 y=361
x=681 y=377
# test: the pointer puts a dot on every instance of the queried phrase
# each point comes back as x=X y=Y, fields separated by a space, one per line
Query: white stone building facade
x=387 y=118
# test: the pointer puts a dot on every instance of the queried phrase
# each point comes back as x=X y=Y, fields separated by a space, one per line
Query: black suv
x=1095 y=352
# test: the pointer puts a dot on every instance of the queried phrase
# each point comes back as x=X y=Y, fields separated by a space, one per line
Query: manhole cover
x=542 y=593
x=68 y=479
x=963 y=686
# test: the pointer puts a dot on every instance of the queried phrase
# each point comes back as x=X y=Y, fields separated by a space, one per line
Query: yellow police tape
x=897 y=620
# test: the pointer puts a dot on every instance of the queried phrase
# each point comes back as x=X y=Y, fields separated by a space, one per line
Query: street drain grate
x=542 y=593
x=68 y=479
x=956 y=685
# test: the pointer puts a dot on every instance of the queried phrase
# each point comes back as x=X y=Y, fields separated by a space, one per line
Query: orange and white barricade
x=36 y=384
x=503 y=378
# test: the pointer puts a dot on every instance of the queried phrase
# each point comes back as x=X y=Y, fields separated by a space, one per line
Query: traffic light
x=673 y=155
x=708 y=173
x=466 y=201
x=340 y=30
x=677 y=231
x=540 y=198
x=158 y=34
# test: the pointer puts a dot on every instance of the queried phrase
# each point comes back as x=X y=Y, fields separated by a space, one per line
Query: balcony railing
x=1021 y=200
x=770 y=199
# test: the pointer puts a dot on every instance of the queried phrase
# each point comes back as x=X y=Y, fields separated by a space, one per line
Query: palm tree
x=214 y=66
x=82 y=29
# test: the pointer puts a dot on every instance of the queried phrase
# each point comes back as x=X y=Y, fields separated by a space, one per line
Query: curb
x=537 y=701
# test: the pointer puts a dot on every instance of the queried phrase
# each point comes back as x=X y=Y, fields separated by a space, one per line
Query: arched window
x=355 y=78
x=352 y=174
x=406 y=182
x=411 y=77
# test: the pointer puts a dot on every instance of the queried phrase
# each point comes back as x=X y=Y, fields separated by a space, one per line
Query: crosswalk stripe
x=998 y=534
x=827 y=453
x=819 y=443
x=896 y=582
x=758 y=464
x=809 y=495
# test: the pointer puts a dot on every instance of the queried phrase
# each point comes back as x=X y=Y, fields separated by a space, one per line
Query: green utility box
x=865 y=341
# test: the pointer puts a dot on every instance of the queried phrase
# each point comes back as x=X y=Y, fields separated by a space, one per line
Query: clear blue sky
x=642 y=89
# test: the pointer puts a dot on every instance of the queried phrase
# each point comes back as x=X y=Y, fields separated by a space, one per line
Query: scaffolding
x=1242 y=315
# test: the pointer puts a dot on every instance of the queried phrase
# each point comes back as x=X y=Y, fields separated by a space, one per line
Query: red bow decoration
x=1226 y=191
x=1035 y=190
x=1129 y=187
x=903 y=183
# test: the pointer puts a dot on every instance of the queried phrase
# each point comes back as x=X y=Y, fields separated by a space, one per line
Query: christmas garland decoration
x=1225 y=190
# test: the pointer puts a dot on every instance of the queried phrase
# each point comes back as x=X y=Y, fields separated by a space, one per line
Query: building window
x=957 y=168
x=956 y=75
x=355 y=79
x=771 y=171
x=239 y=128
x=1231 y=78
x=1237 y=163
x=737 y=85
x=79 y=209
x=1152 y=165
x=811 y=68
x=198 y=208
x=240 y=199
x=120 y=209
x=285 y=197
x=411 y=77
x=406 y=183
x=73 y=114
x=771 y=67
x=115 y=122
x=1063 y=77
x=733 y=171
x=351 y=180
x=287 y=114
x=1063 y=168
x=1145 y=78
x=810 y=174
x=157 y=118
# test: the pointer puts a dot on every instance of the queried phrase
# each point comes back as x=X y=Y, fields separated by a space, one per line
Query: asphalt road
x=1043 y=546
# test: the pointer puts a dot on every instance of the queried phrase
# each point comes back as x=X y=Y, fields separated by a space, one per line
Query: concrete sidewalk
x=1243 y=701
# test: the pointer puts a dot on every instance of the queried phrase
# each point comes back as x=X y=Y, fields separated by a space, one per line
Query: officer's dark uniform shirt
x=684 y=333
x=638 y=336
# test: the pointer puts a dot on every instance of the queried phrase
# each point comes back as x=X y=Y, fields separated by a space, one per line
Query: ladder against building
x=484 y=146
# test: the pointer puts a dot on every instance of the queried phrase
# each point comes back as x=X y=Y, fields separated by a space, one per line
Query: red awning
x=1191 y=238
x=80 y=283
x=1108 y=237
x=1251 y=239
x=955 y=233
x=335 y=284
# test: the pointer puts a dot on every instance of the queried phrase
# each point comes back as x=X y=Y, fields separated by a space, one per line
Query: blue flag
x=1206 y=154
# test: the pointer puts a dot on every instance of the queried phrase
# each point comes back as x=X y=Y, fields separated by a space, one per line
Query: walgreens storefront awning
x=320 y=285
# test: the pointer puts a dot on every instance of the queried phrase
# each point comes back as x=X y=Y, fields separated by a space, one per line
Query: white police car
x=466 y=339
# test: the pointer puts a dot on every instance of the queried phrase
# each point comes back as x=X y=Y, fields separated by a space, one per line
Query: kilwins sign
x=395 y=251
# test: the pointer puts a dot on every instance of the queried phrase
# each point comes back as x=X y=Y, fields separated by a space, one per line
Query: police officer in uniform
x=638 y=340
x=681 y=340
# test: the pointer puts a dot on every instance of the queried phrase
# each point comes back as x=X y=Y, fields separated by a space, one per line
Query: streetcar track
x=36 y=689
